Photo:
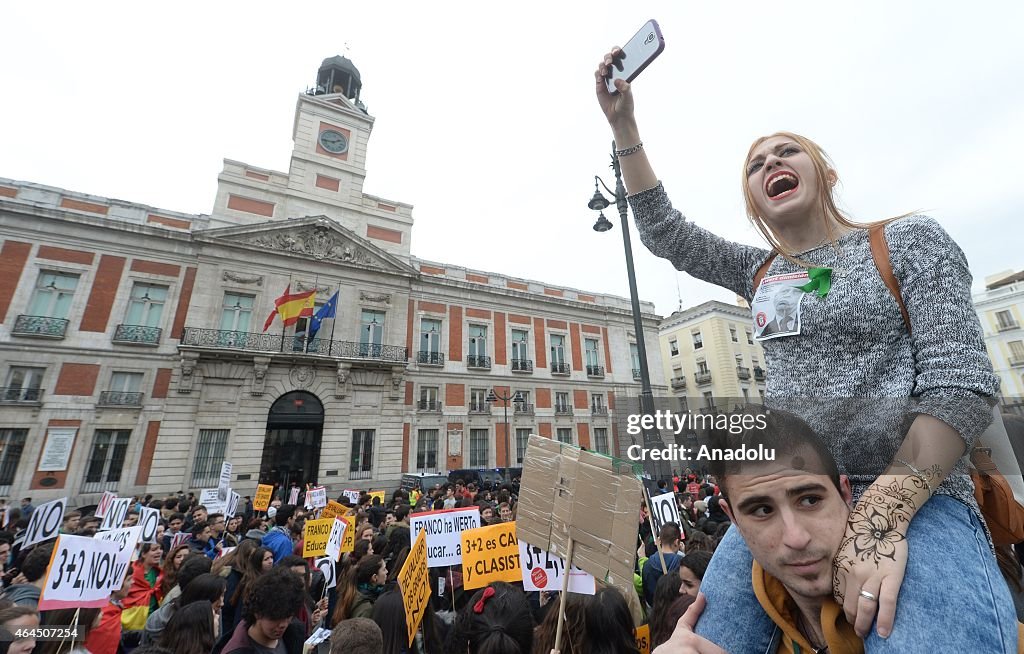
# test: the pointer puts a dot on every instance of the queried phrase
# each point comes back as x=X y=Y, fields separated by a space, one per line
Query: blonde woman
x=916 y=533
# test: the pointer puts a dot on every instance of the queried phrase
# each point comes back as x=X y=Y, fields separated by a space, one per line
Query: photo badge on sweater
x=776 y=305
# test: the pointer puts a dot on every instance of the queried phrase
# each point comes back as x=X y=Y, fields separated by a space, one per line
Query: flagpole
x=334 y=320
x=309 y=321
x=282 y=317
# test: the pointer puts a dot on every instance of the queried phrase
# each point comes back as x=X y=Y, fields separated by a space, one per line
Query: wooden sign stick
x=565 y=595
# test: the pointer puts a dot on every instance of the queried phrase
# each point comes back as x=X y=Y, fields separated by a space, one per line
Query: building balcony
x=429 y=406
x=480 y=407
x=522 y=365
x=678 y=383
x=599 y=411
x=595 y=371
x=522 y=408
x=120 y=398
x=636 y=374
x=702 y=378
x=743 y=372
x=1007 y=326
x=430 y=358
x=560 y=368
x=360 y=474
x=759 y=374
x=18 y=395
x=563 y=410
x=225 y=341
x=40 y=327
x=1016 y=361
x=478 y=361
x=137 y=335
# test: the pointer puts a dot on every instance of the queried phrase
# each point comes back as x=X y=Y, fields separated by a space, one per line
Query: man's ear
x=845 y=490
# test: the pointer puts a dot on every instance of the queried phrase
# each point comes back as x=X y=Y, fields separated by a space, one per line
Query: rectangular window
x=634 y=355
x=684 y=406
x=557 y=349
x=210 y=449
x=428 y=398
x=601 y=440
x=430 y=335
x=478 y=441
x=702 y=367
x=1005 y=320
x=106 y=460
x=522 y=438
x=23 y=384
x=709 y=401
x=1017 y=350
x=562 y=403
x=591 y=352
x=477 y=340
x=478 y=399
x=750 y=337
x=520 y=345
x=12 y=444
x=565 y=435
x=236 y=312
x=597 y=401
x=426 y=451
x=146 y=305
x=677 y=372
x=126 y=382
x=371 y=333
x=746 y=394
x=361 y=466
x=732 y=334
x=53 y=295
x=673 y=347
x=698 y=341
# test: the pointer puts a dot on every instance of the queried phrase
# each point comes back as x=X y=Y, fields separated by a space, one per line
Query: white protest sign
x=352 y=495
x=317 y=637
x=149 y=520
x=293 y=495
x=444 y=533
x=224 y=485
x=232 y=505
x=45 y=522
x=664 y=510
x=126 y=538
x=179 y=539
x=334 y=539
x=116 y=514
x=105 y=502
x=224 y=552
x=82 y=573
x=317 y=497
x=210 y=498
x=326 y=566
x=544 y=571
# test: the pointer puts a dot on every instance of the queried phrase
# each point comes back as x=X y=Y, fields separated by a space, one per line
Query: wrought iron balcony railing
x=560 y=368
x=599 y=410
x=636 y=374
x=40 y=326
x=429 y=406
x=563 y=409
x=430 y=358
x=137 y=335
x=595 y=371
x=743 y=372
x=18 y=395
x=758 y=374
x=480 y=407
x=702 y=378
x=522 y=408
x=1016 y=361
x=478 y=361
x=678 y=382
x=522 y=365
x=120 y=398
x=261 y=342
x=1008 y=326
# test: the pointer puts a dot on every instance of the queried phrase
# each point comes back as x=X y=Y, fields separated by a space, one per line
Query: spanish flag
x=291 y=306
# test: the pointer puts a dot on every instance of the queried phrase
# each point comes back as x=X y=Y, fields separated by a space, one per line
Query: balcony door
x=291 y=450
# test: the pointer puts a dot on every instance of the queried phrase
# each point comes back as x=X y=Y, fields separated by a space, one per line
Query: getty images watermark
x=665 y=420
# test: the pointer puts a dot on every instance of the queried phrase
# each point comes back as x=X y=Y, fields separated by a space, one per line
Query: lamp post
x=505 y=397
x=652 y=438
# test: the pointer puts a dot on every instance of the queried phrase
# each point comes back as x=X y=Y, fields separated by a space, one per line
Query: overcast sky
x=487 y=124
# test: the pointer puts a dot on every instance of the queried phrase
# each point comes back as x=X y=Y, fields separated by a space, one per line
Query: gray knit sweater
x=854 y=372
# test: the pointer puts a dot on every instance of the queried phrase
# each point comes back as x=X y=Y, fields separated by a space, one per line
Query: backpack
x=1003 y=513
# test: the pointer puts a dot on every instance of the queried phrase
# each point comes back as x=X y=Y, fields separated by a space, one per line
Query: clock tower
x=331 y=132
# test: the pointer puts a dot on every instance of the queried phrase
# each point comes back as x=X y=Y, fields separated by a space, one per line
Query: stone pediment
x=316 y=237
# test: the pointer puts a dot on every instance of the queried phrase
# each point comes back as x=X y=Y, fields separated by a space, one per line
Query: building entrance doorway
x=291 y=451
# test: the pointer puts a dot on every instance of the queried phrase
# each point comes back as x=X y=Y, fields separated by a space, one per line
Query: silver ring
x=868 y=596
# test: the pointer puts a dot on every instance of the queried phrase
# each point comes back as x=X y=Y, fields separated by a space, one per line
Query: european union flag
x=328 y=310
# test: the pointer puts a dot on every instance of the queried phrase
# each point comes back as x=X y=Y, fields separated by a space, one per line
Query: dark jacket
x=241 y=643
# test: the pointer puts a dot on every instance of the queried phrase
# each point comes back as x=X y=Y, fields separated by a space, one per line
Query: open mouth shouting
x=781 y=185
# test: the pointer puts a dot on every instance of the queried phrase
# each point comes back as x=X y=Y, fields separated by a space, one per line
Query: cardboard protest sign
x=542 y=570
x=318 y=636
x=348 y=539
x=263 y=494
x=326 y=566
x=233 y=505
x=126 y=538
x=82 y=573
x=116 y=514
x=149 y=520
x=293 y=495
x=444 y=529
x=210 y=498
x=664 y=510
x=338 y=529
x=179 y=539
x=314 y=538
x=105 y=502
x=643 y=639
x=377 y=494
x=224 y=483
x=490 y=554
x=415 y=584
x=45 y=522
x=352 y=495
x=333 y=510
x=316 y=498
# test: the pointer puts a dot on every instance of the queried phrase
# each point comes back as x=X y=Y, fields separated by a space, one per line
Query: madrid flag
x=291 y=306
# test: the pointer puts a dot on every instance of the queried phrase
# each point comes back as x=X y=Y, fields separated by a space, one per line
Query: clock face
x=333 y=141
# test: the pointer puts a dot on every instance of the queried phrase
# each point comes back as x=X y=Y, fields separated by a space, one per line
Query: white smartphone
x=638 y=52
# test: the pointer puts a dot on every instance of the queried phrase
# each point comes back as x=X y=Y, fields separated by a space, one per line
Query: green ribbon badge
x=820 y=281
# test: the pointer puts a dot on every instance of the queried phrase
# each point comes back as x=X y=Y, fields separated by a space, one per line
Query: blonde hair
x=824 y=171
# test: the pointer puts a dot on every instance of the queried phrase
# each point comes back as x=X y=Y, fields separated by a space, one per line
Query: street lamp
x=505 y=397
x=598 y=202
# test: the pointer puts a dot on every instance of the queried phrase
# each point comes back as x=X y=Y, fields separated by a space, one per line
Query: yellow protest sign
x=332 y=510
x=490 y=554
x=415 y=585
x=348 y=542
x=643 y=639
x=262 y=500
x=374 y=494
x=314 y=538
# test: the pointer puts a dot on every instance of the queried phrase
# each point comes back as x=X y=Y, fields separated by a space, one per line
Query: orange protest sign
x=348 y=541
x=643 y=639
x=262 y=500
x=374 y=494
x=415 y=585
x=333 y=510
x=490 y=554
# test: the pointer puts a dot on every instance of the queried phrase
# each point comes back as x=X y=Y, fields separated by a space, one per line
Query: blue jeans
x=953 y=597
